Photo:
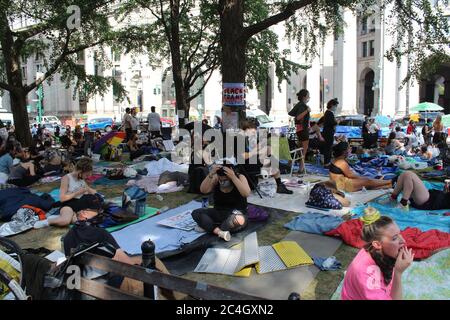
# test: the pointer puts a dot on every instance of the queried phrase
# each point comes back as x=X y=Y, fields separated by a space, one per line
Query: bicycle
x=15 y=254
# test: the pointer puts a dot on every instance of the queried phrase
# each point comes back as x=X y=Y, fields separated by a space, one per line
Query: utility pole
x=40 y=97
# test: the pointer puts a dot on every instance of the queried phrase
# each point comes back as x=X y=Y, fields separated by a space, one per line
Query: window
x=363 y=25
x=364 y=49
x=24 y=72
x=39 y=67
x=164 y=113
x=371 y=48
x=372 y=27
x=116 y=55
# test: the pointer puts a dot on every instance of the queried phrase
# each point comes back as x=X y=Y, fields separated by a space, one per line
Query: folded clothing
x=327 y=264
x=312 y=222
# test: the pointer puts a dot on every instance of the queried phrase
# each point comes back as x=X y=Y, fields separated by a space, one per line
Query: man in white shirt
x=154 y=123
x=134 y=121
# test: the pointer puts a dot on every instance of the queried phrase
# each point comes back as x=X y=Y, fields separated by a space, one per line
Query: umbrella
x=446 y=120
x=383 y=121
x=113 y=138
x=426 y=106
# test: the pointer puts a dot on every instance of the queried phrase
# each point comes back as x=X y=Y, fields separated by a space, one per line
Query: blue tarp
x=423 y=219
x=314 y=223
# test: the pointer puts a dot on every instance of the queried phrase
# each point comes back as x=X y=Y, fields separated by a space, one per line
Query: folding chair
x=297 y=154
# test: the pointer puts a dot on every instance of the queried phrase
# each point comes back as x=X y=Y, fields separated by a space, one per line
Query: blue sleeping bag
x=12 y=199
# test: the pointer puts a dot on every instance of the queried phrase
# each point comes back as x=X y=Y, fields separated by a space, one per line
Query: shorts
x=303 y=135
x=438 y=200
x=344 y=184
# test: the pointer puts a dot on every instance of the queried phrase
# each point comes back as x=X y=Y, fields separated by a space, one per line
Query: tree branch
x=6 y=87
x=289 y=11
x=189 y=99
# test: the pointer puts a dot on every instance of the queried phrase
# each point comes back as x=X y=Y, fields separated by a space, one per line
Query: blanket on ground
x=12 y=199
x=424 y=244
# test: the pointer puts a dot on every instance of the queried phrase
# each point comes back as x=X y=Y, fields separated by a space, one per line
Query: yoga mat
x=278 y=285
x=423 y=280
x=166 y=239
x=149 y=212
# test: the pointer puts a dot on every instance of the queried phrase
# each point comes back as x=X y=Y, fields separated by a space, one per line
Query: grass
x=321 y=288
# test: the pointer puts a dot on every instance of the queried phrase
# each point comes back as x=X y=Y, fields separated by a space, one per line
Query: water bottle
x=318 y=159
x=163 y=209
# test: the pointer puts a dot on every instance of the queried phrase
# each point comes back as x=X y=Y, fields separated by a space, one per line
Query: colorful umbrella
x=426 y=106
x=113 y=138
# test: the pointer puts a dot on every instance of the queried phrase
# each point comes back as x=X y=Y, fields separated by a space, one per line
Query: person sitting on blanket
x=72 y=194
x=376 y=271
x=262 y=163
x=414 y=192
x=230 y=190
x=24 y=173
x=137 y=150
x=394 y=147
x=346 y=180
x=425 y=153
x=52 y=161
x=86 y=232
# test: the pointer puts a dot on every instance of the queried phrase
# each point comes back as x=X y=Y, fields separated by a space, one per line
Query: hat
x=92 y=202
x=370 y=215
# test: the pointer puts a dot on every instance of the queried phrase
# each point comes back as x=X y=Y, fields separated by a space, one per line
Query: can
x=447 y=185
x=205 y=202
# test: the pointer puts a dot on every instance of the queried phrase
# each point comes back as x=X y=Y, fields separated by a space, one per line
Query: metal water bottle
x=148 y=261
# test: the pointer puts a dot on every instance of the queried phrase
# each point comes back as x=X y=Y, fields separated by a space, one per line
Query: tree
x=309 y=21
x=58 y=31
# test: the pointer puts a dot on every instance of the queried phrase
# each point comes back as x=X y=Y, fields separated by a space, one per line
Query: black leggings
x=25 y=181
x=210 y=218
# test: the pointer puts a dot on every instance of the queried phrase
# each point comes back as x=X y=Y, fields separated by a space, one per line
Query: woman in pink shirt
x=376 y=272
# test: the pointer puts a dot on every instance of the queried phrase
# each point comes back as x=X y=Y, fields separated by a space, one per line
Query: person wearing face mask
x=329 y=129
x=301 y=114
x=345 y=178
x=230 y=190
x=376 y=272
x=72 y=195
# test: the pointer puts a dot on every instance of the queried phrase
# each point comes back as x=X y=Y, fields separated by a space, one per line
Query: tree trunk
x=21 y=122
x=175 y=51
x=17 y=95
x=233 y=46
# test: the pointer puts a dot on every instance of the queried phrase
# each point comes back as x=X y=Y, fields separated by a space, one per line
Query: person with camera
x=230 y=190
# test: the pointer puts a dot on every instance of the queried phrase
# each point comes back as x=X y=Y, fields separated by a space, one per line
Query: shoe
x=199 y=229
x=281 y=188
x=225 y=235
x=41 y=224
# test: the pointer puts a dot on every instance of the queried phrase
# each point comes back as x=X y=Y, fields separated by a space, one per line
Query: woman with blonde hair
x=72 y=195
x=376 y=271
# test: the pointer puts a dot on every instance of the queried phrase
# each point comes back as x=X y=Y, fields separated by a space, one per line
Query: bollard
x=148 y=261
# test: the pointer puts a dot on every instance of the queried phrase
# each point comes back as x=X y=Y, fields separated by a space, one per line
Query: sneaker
x=225 y=235
x=199 y=229
x=281 y=188
x=41 y=224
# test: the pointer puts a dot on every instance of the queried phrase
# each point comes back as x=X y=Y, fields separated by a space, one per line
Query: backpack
x=133 y=200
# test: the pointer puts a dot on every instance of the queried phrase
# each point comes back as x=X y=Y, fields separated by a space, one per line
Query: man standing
x=127 y=123
x=154 y=123
x=134 y=121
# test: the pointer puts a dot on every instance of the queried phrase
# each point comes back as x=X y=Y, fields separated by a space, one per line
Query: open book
x=239 y=262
